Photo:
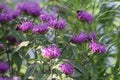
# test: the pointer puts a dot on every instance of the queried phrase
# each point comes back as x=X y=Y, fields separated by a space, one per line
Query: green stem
x=117 y=65
x=9 y=63
x=94 y=7
x=55 y=36
x=51 y=70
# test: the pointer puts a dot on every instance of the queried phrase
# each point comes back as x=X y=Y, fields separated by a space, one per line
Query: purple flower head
x=82 y=37
x=14 y=78
x=6 y=14
x=66 y=68
x=53 y=16
x=52 y=20
x=97 y=47
x=11 y=39
x=74 y=39
x=4 y=17
x=1 y=78
x=51 y=52
x=52 y=23
x=3 y=67
x=44 y=17
x=92 y=36
x=15 y=14
x=21 y=7
x=5 y=78
x=60 y=24
x=84 y=16
x=40 y=29
x=25 y=26
x=31 y=8
x=2 y=7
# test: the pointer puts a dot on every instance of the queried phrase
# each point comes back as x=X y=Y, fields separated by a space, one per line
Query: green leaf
x=25 y=43
x=22 y=44
x=17 y=60
x=78 y=67
x=43 y=77
x=30 y=70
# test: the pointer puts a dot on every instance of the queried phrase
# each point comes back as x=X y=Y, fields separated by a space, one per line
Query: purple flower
x=52 y=20
x=53 y=16
x=11 y=39
x=52 y=23
x=66 y=68
x=44 y=17
x=14 y=78
x=74 y=39
x=2 y=7
x=3 y=67
x=82 y=37
x=7 y=14
x=40 y=29
x=4 y=17
x=92 y=36
x=96 y=47
x=31 y=8
x=1 y=78
x=15 y=14
x=84 y=16
x=25 y=26
x=60 y=24
x=8 y=78
x=51 y=52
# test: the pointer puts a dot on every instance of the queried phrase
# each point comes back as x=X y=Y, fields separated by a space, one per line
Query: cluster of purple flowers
x=7 y=14
x=3 y=67
x=93 y=45
x=47 y=20
x=37 y=29
x=50 y=52
x=84 y=16
x=66 y=68
x=53 y=52
x=31 y=8
x=53 y=21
